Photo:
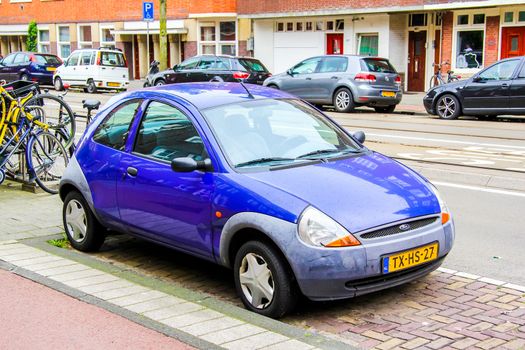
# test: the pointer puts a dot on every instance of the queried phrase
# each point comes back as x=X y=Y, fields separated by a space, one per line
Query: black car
x=212 y=68
x=31 y=66
x=496 y=90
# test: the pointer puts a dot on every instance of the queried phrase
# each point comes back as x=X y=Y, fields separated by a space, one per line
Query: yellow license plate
x=51 y=69
x=114 y=84
x=388 y=94
x=410 y=258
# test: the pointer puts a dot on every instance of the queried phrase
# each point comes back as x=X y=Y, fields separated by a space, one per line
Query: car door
x=517 y=92
x=330 y=71
x=167 y=206
x=6 y=68
x=489 y=90
x=182 y=72
x=70 y=73
x=204 y=70
x=299 y=78
x=21 y=64
x=108 y=143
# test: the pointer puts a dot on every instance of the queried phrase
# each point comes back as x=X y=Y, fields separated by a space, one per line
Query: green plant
x=32 y=33
x=60 y=243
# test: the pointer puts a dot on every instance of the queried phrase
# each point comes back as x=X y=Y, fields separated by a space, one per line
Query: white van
x=92 y=70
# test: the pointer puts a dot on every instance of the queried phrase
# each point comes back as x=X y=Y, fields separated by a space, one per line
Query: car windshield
x=253 y=65
x=47 y=59
x=377 y=65
x=273 y=132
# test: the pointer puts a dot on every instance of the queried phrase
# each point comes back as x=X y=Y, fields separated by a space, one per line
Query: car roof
x=207 y=95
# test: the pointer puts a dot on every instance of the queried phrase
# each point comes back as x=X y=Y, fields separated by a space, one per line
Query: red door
x=416 y=60
x=334 y=44
x=512 y=42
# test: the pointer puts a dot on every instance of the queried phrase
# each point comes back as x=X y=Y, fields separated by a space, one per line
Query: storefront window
x=469 y=49
x=368 y=44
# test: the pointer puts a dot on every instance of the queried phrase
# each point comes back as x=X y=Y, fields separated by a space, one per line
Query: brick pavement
x=445 y=310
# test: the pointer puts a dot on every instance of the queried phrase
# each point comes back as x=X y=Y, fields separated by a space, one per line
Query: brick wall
x=446 y=44
x=189 y=49
x=491 y=40
x=242 y=49
x=67 y=11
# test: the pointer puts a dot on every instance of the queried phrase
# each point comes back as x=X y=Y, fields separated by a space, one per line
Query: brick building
x=413 y=34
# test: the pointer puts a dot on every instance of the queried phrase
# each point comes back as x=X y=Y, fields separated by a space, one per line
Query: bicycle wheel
x=434 y=81
x=56 y=113
x=47 y=160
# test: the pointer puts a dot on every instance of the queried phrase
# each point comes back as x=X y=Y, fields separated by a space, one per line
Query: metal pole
x=163 y=37
x=147 y=44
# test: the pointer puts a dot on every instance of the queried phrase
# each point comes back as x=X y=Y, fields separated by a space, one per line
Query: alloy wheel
x=256 y=281
x=342 y=100
x=76 y=221
x=446 y=107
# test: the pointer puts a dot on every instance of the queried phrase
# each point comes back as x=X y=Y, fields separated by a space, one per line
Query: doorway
x=416 y=60
x=512 y=42
x=334 y=44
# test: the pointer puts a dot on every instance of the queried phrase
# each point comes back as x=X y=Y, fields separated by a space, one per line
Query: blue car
x=37 y=67
x=258 y=181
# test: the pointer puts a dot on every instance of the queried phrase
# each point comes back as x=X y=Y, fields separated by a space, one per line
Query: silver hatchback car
x=344 y=81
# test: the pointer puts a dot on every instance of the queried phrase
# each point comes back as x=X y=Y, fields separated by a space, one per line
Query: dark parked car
x=343 y=81
x=31 y=66
x=498 y=89
x=212 y=68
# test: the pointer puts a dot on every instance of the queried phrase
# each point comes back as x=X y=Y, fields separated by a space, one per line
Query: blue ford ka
x=258 y=181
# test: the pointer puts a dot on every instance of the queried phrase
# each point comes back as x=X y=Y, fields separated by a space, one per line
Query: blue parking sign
x=147 y=11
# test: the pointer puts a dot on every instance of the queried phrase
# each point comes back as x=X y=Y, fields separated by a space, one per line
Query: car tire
x=146 y=84
x=160 y=82
x=91 y=87
x=343 y=101
x=83 y=230
x=59 y=86
x=448 y=107
x=388 y=109
x=280 y=285
x=217 y=80
x=24 y=77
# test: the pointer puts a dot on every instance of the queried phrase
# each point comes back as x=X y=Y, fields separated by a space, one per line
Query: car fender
x=345 y=83
x=74 y=177
x=280 y=232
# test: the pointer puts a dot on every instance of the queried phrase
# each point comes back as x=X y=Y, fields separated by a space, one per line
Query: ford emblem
x=404 y=227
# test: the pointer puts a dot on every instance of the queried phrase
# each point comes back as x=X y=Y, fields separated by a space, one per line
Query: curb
x=487 y=280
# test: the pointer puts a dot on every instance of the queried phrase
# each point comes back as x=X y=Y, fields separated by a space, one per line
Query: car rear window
x=113 y=59
x=377 y=65
x=47 y=59
x=253 y=65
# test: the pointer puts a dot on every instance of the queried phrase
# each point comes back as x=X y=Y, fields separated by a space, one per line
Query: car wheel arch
x=340 y=86
x=447 y=92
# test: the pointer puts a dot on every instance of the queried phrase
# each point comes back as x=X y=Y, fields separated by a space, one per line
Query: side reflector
x=347 y=241
x=445 y=217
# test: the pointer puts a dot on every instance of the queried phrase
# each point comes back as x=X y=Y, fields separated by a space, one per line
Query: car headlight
x=319 y=230
x=445 y=213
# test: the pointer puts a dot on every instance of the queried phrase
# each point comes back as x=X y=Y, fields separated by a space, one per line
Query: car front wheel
x=263 y=280
x=58 y=84
x=448 y=107
x=83 y=230
x=343 y=101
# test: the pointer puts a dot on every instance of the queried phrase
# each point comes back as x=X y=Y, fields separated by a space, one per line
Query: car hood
x=449 y=87
x=358 y=192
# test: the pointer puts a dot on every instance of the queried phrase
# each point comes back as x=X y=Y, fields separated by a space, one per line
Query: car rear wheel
x=160 y=82
x=91 y=87
x=24 y=77
x=83 y=230
x=448 y=107
x=343 y=101
x=389 y=109
x=58 y=84
x=263 y=280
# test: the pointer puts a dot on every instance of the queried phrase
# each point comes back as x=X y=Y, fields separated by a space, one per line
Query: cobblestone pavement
x=445 y=310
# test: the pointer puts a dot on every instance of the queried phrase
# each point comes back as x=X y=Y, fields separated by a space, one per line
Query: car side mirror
x=187 y=165
x=359 y=136
x=175 y=67
x=289 y=72
x=477 y=79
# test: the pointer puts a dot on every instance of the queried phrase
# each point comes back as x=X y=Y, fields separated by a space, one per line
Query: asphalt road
x=490 y=240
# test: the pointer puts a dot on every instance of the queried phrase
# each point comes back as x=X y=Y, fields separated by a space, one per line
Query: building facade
x=413 y=34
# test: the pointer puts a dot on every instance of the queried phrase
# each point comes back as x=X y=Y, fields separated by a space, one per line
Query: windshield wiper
x=327 y=151
x=264 y=160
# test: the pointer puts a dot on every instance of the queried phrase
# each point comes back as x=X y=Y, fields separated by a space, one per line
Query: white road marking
x=444 y=141
x=481 y=189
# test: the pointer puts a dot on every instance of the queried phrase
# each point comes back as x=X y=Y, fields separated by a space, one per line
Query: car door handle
x=334 y=77
x=132 y=171
x=308 y=79
x=504 y=85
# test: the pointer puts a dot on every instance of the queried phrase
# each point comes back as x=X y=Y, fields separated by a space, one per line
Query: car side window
x=500 y=71
x=333 y=64
x=85 y=59
x=73 y=60
x=20 y=58
x=166 y=133
x=190 y=63
x=307 y=66
x=9 y=59
x=113 y=131
x=521 y=75
x=206 y=63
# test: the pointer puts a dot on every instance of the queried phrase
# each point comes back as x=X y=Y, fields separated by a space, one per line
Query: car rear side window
x=47 y=59
x=166 y=133
x=377 y=65
x=114 y=129
x=112 y=59
x=333 y=64
x=253 y=66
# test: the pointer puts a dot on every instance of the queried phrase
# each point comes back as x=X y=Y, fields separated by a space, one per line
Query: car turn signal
x=445 y=217
x=347 y=241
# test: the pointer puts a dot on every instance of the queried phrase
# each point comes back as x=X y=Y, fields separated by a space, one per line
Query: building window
x=417 y=20
x=439 y=19
x=222 y=44
x=299 y=26
x=319 y=25
x=106 y=38
x=368 y=44
x=469 y=49
x=85 y=40
x=43 y=41
x=479 y=19
x=289 y=27
x=330 y=25
x=339 y=24
x=521 y=16
x=463 y=20
x=280 y=27
x=309 y=26
x=508 y=17
x=64 y=44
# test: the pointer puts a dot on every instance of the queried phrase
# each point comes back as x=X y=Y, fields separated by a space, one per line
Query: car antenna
x=235 y=76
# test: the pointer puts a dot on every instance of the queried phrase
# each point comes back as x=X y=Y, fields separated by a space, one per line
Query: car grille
x=395 y=229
